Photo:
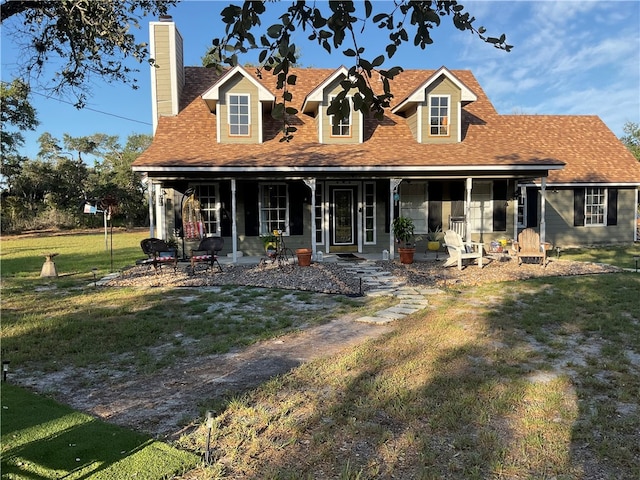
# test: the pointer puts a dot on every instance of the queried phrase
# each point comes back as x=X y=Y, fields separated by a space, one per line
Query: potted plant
x=270 y=243
x=434 y=238
x=403 y=228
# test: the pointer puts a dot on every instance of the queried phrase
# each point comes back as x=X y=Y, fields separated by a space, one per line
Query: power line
x=92 y=109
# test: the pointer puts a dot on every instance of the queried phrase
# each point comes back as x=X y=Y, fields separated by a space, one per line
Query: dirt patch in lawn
x=167 y=402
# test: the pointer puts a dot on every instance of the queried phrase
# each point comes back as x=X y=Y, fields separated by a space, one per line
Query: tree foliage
x=631 y=139
x=89 y=38
x=333 y=25
x=17 y=116
x=61 y=181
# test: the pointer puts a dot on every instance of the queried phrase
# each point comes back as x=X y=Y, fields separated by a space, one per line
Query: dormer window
x=340 y=127
x=239 y=120
x=439 y=115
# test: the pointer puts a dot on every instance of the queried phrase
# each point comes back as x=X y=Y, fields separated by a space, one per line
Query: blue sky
x=578 y=58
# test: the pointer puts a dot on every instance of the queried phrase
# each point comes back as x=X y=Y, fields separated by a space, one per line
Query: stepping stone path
x=383 y=283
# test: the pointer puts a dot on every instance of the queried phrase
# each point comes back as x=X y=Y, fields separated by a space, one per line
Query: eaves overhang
x=419 y=95
x=352 y=169
x=213 y=93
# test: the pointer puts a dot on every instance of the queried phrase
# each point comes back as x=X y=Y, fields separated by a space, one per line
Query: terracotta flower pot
x=406 y=255
x=304 y=257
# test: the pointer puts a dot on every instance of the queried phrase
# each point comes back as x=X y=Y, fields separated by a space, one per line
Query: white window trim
x=228 y=100
x=217 y=209
x=364 y=216
x=331 y=134
x=605 y=204
x=522 y=194
x=261 y=187
x=448 y=97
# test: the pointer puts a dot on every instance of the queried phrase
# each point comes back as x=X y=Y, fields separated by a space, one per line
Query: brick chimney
x=167 y=76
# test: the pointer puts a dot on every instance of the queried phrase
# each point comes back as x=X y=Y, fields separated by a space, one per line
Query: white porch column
x=467 y=210
x=518 y=192
x=311 y=183
x=160 y=220
x=234 y=222
x=543 y=204
x=393 y=185
x=152 y=226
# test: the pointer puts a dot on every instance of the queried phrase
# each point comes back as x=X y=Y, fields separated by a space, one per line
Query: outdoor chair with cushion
x=207 y=252
x=158 y=253
x=460 y=251
x=529 y=246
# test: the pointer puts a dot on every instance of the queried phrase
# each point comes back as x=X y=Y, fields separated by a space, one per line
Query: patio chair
x=207 y=252
x=529 y=246
x=460 y=251
x=158 y=253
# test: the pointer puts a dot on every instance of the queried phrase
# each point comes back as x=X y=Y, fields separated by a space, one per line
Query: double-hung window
x=340 y=126
x=274 y=214
x=209 y=199
x=239 y=118
x=439 y=115
x=595 y=206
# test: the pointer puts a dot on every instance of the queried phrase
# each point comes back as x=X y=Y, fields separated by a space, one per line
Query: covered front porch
x=333 y=214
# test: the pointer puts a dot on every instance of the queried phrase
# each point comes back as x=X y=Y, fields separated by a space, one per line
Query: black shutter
x=251 y=220
x=435 y=205
x=532 y=207
x=612 y=206
x=500 y=206
x=578 y=207
x=297 y=194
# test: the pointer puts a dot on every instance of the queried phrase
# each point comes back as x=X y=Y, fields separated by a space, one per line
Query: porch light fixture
x=5 y=369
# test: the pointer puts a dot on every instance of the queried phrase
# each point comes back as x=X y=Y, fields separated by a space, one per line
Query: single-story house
x=442 y=155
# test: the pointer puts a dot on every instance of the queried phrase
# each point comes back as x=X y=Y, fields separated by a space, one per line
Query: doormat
x=348 y=256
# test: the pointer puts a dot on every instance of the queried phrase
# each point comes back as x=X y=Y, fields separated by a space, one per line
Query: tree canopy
x=334 y=25
x=89 y=38
x=631 y=138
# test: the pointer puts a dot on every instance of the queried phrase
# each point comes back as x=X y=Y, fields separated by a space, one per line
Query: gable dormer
x=239 y=102
x=434 y=109
x=331 y=129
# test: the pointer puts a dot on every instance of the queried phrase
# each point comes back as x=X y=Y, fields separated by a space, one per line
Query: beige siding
x=412 y=120
x=163 y=70
x=179 y=63
x=239 y=85
x=356 y=123
x=443 y=86
x=561 y=231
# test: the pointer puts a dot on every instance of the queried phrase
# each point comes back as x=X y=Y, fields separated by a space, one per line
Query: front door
x=343 y=219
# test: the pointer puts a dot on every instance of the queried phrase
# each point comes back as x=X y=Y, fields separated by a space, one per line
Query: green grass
x=543 y=384
x=23 y=257
x=44 y=439
x=620 y=256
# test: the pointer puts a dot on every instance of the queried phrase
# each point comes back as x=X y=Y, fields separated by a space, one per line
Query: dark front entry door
x=343 y=217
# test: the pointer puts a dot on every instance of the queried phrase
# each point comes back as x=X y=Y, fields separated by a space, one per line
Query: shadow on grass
x=527 y=379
